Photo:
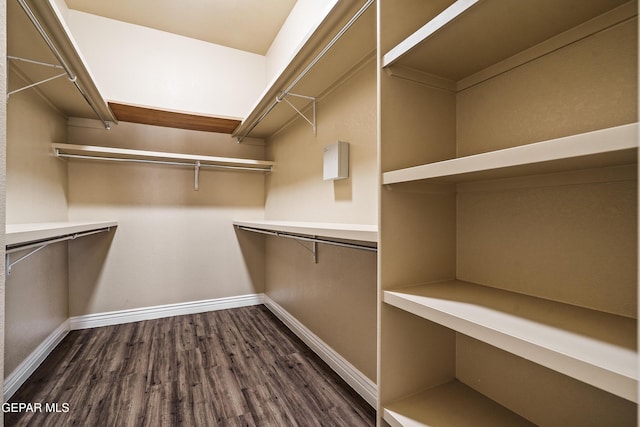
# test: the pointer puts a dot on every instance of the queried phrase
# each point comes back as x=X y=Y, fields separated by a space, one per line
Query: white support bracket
x=311 y=121
x=31 y=61
x=196 y=183
x=313 y=250
x=41 y=245
x=10 y=264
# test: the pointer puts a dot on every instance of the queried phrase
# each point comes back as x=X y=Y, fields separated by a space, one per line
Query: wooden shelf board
x=172 y=119
x=30 y=232
x=110 y=152
x=458 y=43
x=605 y=147
x=450 y=404
x=357 y=232
x=594 y=347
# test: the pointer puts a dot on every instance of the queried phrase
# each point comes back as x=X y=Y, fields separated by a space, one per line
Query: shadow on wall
x=252 y=246
x=87 y=258
x=343 y=190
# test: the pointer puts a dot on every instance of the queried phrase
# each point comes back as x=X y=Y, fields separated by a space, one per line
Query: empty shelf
x=109 y=153
x=605 y=147
x=450 y=404
x=470 y=36
x=358 y=232
x=17 y=234
x=595 y=347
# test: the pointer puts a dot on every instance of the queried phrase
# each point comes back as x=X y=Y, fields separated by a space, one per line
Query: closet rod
x=41 y=244
x=70 y=74
x=162 y=162
x=28 y=245
x=304 y=72
x=308 y=238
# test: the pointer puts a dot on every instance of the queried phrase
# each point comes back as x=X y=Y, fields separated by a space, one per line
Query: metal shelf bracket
x=311 y=121
x=196 y=183
x=31 y=61
x=313 y=250
x=41 y=245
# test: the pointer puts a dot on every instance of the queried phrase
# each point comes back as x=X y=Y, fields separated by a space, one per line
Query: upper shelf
x=109 y=153
x=357 y=232
x=595 y=347
x=471 y=35
x=354 y=47
x=23 y=40
x=605 y=147
x=17 y=234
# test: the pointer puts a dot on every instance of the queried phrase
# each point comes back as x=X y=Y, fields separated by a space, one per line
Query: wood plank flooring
x=238 y=367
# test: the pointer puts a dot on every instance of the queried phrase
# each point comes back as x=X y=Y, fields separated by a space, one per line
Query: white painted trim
x=160 y=311
x=356 y=379
x=28 y=366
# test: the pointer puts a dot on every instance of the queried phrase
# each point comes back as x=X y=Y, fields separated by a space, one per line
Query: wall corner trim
x=28 y=366
x=349 y=373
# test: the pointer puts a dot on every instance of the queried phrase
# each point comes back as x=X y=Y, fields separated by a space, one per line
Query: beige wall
x=296 y=190
x=335 y=298
x=172 y=244
x=36 y=293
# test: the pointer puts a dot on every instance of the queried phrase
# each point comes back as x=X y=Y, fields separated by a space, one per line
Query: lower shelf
x=451 y=404
x=591 y=346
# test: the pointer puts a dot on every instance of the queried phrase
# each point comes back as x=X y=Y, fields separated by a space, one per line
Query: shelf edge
x=620 y=138
x=622 y=382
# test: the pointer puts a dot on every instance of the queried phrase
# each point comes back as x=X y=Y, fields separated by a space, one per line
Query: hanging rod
x=163 y=162
x=41 y=244
x=315 y=239
x=70 y=74
x=197 y=165
x=304 y=72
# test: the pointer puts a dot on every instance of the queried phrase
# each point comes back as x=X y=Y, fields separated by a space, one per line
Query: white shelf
x=357 y=232
x=109 y=153
x=594 y=347
x=355 y=47
x=23 y=40
x=605 y=147
x=450 y=404
x=24 y=233
x=455 y=53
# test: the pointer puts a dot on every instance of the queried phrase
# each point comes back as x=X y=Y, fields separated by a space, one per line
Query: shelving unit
x=508 y=233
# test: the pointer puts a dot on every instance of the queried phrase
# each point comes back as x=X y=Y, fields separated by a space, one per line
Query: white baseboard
x=160 y=311
x=28 y=366
x=352 y=376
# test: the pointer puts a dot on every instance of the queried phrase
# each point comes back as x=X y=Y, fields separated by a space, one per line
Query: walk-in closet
x=336 y=212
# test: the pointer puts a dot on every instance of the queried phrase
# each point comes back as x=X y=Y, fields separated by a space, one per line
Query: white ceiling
x=249 y=25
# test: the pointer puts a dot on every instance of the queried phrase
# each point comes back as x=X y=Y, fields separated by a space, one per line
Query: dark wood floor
x=238 y=367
